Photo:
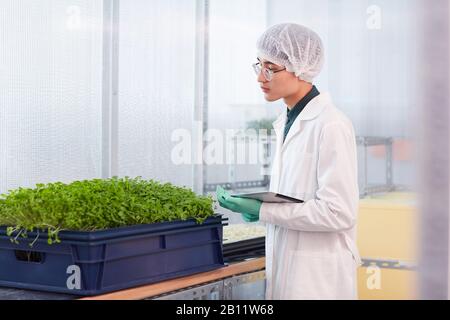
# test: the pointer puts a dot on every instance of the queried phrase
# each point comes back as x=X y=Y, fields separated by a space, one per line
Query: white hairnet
x=295 y=47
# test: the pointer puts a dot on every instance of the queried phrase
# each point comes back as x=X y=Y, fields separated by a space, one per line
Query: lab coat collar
x=315 y=107
x=311 y=111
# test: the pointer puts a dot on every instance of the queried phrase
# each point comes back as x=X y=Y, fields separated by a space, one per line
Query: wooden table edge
x=151 y=290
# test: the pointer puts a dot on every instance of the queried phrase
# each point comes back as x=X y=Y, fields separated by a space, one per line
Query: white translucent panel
x=156 y=86
x=234 y=96
x=50 y=97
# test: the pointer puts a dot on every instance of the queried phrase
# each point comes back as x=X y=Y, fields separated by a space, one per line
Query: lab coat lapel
x=311 y=110
x=278 y=126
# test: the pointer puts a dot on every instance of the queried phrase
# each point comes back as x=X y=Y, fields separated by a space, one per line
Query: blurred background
x=97 y=88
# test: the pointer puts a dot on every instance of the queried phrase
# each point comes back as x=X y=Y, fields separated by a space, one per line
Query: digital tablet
x=268 y=197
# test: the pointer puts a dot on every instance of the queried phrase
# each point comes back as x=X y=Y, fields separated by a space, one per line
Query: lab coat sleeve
x=335 y=205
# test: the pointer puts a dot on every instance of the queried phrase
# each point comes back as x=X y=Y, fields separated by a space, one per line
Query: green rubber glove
x=249 y=208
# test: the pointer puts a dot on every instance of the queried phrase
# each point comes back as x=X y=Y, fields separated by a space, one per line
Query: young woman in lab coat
x=311 y=248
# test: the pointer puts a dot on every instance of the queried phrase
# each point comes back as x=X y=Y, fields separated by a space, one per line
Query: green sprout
x=98 y=204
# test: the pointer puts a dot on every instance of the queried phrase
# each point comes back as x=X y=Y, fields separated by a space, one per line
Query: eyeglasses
x=267 y=73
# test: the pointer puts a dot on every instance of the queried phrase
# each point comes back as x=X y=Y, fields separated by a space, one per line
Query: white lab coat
x=311 y=247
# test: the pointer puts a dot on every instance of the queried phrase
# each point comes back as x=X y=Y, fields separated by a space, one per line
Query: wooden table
x=156 y=289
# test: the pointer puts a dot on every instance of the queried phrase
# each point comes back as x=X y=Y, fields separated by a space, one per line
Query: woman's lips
x=265 y=90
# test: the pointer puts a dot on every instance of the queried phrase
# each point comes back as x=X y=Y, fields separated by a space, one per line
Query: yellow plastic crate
x=387 y=230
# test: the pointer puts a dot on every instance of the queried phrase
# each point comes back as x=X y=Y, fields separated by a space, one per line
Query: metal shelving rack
x=388 y=186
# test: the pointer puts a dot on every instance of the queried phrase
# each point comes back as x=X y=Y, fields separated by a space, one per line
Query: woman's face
x=282 y=84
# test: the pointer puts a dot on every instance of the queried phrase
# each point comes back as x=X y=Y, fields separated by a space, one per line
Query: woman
x=310 y=246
